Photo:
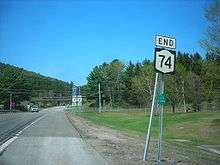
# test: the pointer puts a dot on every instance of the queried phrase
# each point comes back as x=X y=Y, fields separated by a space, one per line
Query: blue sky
x=66 y=39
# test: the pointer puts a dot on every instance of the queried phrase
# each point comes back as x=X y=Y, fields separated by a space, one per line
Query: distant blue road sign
x=75 y=91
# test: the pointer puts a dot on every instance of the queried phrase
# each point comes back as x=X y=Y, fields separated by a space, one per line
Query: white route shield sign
x=165 y=60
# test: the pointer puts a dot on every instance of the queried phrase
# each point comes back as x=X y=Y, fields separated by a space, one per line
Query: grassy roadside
x=199 y=128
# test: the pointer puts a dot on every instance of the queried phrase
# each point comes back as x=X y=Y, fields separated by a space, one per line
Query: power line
x=41 y=90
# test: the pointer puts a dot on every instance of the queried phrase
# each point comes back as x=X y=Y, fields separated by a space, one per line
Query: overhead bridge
x=53 y=99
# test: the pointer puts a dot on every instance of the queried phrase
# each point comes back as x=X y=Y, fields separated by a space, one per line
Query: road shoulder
x=116 y=146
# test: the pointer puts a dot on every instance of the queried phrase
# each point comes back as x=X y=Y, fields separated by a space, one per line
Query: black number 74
x=167 y=62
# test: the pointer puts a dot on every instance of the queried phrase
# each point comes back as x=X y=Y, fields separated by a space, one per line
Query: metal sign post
x=164 y=63
x=150 y=120
x=161 y=102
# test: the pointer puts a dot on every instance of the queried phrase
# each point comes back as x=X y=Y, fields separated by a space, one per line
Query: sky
x=67 y=39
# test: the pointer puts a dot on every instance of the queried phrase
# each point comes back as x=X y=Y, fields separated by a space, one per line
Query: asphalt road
x=11 y=122
x=49 y=139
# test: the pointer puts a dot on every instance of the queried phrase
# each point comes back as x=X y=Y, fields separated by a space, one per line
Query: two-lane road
x=10 y=123
x=50 y=140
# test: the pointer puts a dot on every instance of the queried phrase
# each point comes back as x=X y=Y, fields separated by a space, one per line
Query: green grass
x=200 y=127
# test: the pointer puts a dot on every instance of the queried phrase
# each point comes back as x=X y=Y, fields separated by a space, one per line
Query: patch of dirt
x=120 y=148
x=212 y=148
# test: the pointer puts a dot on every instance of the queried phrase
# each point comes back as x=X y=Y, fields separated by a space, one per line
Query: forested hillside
x=195 y=82
x=24 y=85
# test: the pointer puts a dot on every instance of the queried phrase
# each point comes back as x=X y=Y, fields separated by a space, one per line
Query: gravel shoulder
x=120 y=148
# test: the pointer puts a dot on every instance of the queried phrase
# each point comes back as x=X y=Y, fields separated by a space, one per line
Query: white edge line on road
x=9 y=141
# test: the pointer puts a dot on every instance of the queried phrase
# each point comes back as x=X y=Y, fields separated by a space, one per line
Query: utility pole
x=100 y=105
x=10 y=101
x=184 y=101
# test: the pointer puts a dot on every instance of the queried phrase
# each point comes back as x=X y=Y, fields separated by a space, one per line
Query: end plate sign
x=165 y=42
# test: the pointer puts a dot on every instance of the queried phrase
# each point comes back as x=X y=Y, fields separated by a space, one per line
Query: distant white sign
x=165 y=60
x=165 y=42
x=77 y=100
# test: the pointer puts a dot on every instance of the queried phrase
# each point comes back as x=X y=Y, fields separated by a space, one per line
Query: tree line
x=196 y=80
x=24 y=85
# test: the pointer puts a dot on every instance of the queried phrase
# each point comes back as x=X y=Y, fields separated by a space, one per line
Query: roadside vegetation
x=198 y=128
x=194 y=86
x=26 y=86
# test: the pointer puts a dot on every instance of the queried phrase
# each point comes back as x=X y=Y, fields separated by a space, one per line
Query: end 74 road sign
x=164 y=61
